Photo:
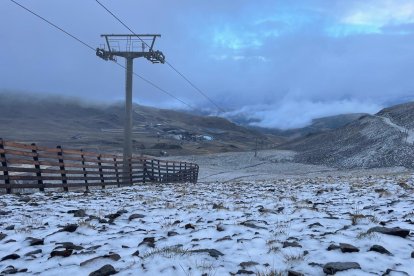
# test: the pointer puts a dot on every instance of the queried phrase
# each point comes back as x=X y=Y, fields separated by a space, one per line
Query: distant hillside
x=73 y=124
x=318 y=125
x=382 y=140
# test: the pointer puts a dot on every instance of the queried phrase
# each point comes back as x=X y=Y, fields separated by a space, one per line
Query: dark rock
x=291 y=244
x=136 y=253
x=395 y=231
x=68 y=245
x=149 y=241
x=69 y=228
x=79 y=213
x=243 y=271
x=189 y=226
x=65 y=253
x=114 y=257
x=104 y=271
x=390 y=272
x=12 y=270
x=34 y=252
x=247 y=264
x=35 y=241
x=10 y=227
x=251 y=225
x=226 y=238
x=315 y=225
x=2 y=236
x=212 y=252
x=412 y=254
x=172 y=233
x=294 y=273
x=9 y=241
x=4 y=213
x=135 y=216
x=125 y=246
x=379 y=249
x=113 y=216
x=348 y=248
x=220 y=228
x=333 y=247
x=334 y=267
x=101 y=220
x=10 y=257
x=25 y=199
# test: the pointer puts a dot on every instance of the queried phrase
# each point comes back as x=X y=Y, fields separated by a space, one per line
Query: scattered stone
x=226 y=238
x=2 y=236
x=136 y=253
x=390 y=271
x=212 y=252
x=106 y=270
x=10 y=227
x=10 y=257
x=220 y=228
x=172 y=233
x=25 y=199
x=149 y=241
x=4 y=213
x=247 y=264
x=294 y=273
x=34 y=252
x=189 y=226
x=315 y=225
x=113 y=257
x=35 y=241
x=251 y=225
x=69 y=228
x=348 y=248
x=334 y=267
x=112 y=217
x=412 y=254
x=395 y=231
x=379 y=249
x=12 y=270
x=68 y=245
x=333 y=247
x=65 y=253
x=135 y=216
x=291 y=244
x=243 y=271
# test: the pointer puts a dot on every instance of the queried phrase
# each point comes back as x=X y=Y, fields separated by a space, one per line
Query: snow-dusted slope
x=212 y=228
x=383 y=140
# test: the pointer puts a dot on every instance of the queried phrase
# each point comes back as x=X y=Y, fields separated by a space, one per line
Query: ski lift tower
x=129 y=46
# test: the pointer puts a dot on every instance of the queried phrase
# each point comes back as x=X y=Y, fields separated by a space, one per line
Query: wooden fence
x=32 y=166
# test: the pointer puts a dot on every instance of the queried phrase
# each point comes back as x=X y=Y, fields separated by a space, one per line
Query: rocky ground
x=258 y=215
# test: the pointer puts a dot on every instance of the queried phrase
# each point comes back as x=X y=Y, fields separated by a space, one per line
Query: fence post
x=180 y=173
x=85 y=172
x=159 y=171
x=168 y=173
x=185 y=172
x=130 y=171
x=4 y=164
x=37 y=167
x=116 y=172
x=152 y=170
x=62 y=169
x=100 y=171
x=144 y=170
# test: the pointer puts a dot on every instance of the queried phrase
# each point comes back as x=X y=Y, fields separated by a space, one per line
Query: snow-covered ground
x=232 y=222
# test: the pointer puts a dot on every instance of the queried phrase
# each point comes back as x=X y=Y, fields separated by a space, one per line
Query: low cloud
x=296 y=114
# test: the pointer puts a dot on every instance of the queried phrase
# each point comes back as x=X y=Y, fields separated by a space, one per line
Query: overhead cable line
x=168 y=63
x=93 y=49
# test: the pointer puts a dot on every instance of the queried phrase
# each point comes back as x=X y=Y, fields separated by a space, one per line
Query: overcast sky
x=279 y=63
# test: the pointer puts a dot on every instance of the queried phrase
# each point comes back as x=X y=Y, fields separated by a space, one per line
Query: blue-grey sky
x=279 y=63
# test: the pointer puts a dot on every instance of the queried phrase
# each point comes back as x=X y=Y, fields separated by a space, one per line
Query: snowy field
x=248 y=215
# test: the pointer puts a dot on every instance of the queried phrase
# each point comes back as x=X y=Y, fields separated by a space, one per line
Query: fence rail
x=33 y=166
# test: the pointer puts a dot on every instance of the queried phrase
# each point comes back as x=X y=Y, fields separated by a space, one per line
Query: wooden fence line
x=32 y=166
